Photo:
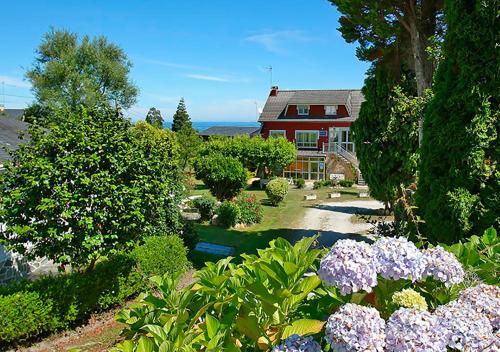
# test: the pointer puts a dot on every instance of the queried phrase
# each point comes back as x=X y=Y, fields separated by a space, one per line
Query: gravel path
x=333 y=221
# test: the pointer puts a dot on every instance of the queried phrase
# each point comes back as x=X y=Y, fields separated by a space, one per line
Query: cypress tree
x=181 y=117
x=459 y=186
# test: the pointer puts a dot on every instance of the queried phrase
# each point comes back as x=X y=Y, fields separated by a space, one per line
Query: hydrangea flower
x=443 y=266
x=484 y=299
x=398 y=258
x=466 y=329
x=415 y=330
x=355 y=328
x=409 y=298
x=297 y=343
x=349 y=266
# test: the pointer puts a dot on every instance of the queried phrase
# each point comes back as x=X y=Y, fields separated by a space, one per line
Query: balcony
x=344 y=150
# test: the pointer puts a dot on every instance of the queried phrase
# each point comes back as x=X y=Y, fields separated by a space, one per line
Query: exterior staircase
x=344 y=154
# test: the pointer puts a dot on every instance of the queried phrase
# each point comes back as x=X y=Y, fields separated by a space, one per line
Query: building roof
x=229 y=131
x=275 y=106
x=10 y=126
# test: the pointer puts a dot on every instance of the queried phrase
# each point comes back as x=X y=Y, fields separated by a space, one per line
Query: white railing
x=339 y=149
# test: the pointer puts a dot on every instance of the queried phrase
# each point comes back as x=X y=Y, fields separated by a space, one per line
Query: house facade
x=318 y=123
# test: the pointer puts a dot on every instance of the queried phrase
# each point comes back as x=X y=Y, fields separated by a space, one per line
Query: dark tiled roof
x=10 y=126
x=229 y=131
x=275 y=105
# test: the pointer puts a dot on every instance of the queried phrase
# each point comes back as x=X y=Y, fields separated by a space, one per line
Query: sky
x=214 y=53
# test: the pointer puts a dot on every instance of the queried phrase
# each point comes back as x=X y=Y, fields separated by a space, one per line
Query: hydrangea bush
x=443 y=266
x=297 y=343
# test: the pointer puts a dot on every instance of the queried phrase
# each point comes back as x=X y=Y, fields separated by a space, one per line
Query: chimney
x=274 y=91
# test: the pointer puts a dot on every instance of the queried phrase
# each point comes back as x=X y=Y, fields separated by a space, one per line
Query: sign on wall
x=323 y=133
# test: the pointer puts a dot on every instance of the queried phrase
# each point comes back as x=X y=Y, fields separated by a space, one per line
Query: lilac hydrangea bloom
x=443 y=266
x=398 y=258
x=349 y=266
x=297 y=343
x=410 y=329
x=355 y=328
x=484 y=299
x=466 y=329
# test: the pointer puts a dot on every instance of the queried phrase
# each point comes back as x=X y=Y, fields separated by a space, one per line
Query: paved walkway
x=333 y=221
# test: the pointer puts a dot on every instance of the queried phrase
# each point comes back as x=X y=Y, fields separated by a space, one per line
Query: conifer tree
x=154 y=118
x=181 y=117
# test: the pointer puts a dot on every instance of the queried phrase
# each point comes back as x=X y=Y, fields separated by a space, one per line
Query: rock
x=334 y=195
x=310 y=197
x=363 y=194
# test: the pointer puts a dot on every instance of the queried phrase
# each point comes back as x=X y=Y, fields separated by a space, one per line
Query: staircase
x=344 y=154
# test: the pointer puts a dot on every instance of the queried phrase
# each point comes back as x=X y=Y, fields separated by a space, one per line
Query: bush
x=206 y=207
x=277 y=190
x=189 y=234
x=224 y=176
x=300 y=183
x=250 y=209
x=346 y=183
x=229 y=214
x=160 y=255
x=24 y=315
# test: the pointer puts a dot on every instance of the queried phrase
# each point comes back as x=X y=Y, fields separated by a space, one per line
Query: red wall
x=292 y=110
x=291 y=126
x=317 y=110
x=342 y=111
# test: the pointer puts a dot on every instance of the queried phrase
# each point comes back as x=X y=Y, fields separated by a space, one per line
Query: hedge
x=276 y=190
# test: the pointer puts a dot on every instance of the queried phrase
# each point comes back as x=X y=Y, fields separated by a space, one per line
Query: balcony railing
x=340 y=149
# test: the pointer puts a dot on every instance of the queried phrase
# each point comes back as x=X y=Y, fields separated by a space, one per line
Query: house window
x=308 y=168
x=303 y=109
x=331 y=110
x=306 y=139
x=277 y=133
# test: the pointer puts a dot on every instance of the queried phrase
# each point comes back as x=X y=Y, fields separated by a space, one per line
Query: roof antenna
x=270 y=69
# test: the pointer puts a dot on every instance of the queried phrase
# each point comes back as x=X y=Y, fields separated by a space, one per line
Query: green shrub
x=160 y=255
x=250 y=209
x=300 y=183
x=317 y=184
x=189 y=234
x=206 y=207
x=346 y=183
x=277 y=190
x=229 y=214
x=24 y=315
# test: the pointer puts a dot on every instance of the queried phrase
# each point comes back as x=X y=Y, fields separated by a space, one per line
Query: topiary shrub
x=229 y=214
x=189 y=234
x=206 y=207
x=276 y=190
x=300 y=183
x=251 y=211
x=160 y=255
x=346 y=183
x=24 y=315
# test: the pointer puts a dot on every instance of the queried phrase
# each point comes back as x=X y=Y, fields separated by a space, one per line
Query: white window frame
x=303 y=113
x=306 y=144
x=283 y=132
x=334 y=107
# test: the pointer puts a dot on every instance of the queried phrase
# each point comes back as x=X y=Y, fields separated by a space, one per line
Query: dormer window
x=303 y=109
x=330 y=110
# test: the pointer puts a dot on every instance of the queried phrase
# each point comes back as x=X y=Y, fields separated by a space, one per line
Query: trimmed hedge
x=346 y=183
x=206 y=207
x=229 y=214
x=276 y=190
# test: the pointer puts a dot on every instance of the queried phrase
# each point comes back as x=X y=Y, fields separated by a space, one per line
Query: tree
x=87 y=187
x=459 y=181
x=181 y=117
x=154 y=118
x=224 y=176
x=191 y=144
x=91 y=72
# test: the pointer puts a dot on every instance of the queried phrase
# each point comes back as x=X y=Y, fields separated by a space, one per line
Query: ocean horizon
x=203 y=125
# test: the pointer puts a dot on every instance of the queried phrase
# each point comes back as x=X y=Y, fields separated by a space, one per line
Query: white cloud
x=207 y=78
x=275 y=41
x=14 y=82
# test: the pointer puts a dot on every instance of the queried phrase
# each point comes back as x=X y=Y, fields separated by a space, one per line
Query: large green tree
x=88 y=71
x=459 y=186
x=191 y=145
x=154 y=118
x=181 y=117
x=89 y=186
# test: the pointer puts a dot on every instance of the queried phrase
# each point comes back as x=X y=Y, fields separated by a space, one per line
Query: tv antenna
x=270 y=69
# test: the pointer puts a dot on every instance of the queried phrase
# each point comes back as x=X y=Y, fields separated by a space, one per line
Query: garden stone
x=363 y=194
x=310 y=197
x=334 y=195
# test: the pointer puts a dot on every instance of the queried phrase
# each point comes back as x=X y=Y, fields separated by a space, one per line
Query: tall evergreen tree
x=181 y=117
x=459 y=186
x=154 y=118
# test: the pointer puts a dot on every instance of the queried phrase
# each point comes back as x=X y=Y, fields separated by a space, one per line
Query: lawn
x=278 y=221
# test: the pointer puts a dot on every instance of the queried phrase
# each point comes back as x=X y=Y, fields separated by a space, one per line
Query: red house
x=318 y=123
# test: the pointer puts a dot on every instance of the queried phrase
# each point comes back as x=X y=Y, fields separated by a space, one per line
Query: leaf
x=303 y=327
x=489 y=236
x=158 y=332
x=145 y=344
x=212 y=326
x=249 y=326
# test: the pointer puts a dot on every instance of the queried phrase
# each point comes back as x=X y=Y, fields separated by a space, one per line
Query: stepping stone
x=363 y=194
x=334 y=195
x=310 y=197
x=213 y=248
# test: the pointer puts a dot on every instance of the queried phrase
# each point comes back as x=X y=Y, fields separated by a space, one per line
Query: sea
x=203 y=125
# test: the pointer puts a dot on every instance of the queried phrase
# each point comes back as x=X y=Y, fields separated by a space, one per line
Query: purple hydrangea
x=466 y=329
x=398 y=258
x=355 y=328
x=297 y=343
x=349 y=266
x=443 y=266
x=484 y=299
x=410 y=329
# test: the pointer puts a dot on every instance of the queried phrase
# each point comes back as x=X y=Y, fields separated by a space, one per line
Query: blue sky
x=211 y=52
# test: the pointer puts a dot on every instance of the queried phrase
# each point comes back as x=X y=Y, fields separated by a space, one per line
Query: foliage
x=300 y=183
x=324 y=183
x=71 y=72
x=189 y=234
x=154 y=118
x=24 y=315
x=160 y=255
x=224 y=176
x=251 y=211
x=181 y=117
x=88 y=187
x=191 y=144
x=346 y=183
x=228 y=214
x=459 y=184
x=36 y=113
x=206 y=207
x=277 y=189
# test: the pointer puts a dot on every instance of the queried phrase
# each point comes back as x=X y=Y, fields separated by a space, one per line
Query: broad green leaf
x=303 y=327
x=489 y=236
x=249 y=326
x=145 y=344
x=212 y=326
